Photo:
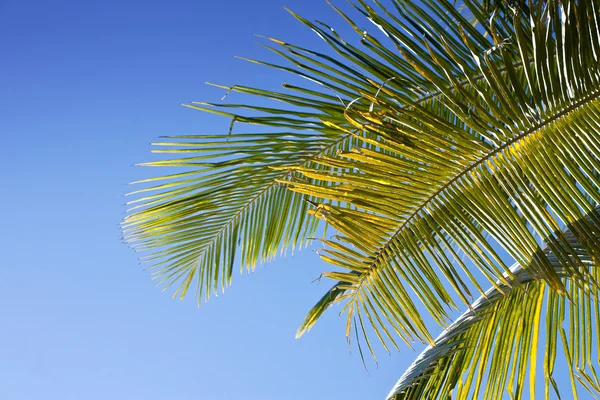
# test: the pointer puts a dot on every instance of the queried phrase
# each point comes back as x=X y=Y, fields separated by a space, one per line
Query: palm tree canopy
x=445 y=135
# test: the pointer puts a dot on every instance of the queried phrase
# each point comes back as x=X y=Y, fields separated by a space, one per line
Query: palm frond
x=194 y=222
x=472 y=132
x=227 y=200
x=229 y=195
x=495 y=345
x=508 y=159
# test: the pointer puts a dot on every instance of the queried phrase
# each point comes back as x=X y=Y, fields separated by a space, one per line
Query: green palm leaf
x=508 y=160
x=450 y=135
x=495 y=345
x=198 y=219
x=194 y=222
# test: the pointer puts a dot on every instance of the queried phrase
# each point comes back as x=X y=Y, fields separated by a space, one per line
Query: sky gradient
x=84 y=88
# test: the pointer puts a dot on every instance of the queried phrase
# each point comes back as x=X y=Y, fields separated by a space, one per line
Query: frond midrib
x=263 y=192
x=273 y=183
x=475 y=310
x=372 y=268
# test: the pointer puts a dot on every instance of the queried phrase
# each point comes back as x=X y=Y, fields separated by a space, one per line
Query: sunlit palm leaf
x=494 y=347
x=511 y=157
x=229 y=199
x=455 y=133
x=225 y=201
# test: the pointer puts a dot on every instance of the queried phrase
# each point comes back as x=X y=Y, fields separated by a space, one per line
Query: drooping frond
x=228 y=199
x=227 y=196
x=504 y=154
x=494 y=347
x=453 y=134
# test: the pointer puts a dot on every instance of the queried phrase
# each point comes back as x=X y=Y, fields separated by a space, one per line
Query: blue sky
x=84 y=88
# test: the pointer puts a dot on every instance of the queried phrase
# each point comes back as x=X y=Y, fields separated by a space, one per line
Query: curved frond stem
x=439 y=368
x=476 y=164
x=440 y=187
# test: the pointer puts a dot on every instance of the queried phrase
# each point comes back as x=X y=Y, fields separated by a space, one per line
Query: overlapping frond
x=195 y=221
x=226 y=200
x=495 y=346
x=227 y=196
x=508 y=159
x=455 y=133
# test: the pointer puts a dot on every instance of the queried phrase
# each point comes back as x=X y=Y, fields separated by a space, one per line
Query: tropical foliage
x=445 y=137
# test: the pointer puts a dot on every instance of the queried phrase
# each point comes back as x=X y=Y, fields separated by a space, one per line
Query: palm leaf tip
x=319 y=308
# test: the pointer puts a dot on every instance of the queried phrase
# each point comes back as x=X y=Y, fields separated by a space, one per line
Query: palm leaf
x=223 y=203
x=228 y=195
x=495 y=344
x=198 y=219
x=504 y=160
x=471 y=133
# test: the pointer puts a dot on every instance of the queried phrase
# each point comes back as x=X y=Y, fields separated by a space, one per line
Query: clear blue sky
x=84 y=88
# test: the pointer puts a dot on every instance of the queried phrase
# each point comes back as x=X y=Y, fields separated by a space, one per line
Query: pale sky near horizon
x=84 y=88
